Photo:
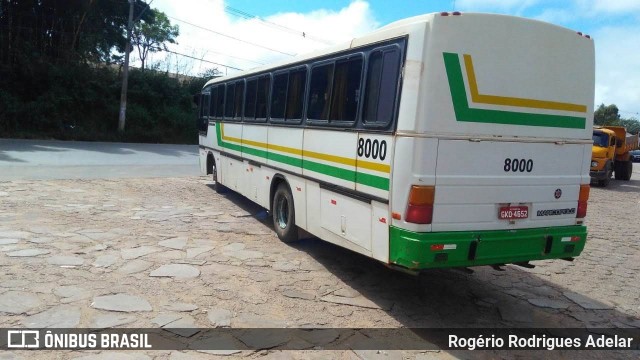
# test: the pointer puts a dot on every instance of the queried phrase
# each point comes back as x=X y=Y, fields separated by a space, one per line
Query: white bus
x=442 y=140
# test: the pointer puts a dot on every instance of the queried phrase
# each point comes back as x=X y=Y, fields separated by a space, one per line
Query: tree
x=632 y=125
x=609 y=115
x=210 y=73
x=606 y=115
x=64 y=31
x=152 y=35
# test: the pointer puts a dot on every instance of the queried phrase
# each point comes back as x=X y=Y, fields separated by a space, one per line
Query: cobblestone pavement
x=173 y=253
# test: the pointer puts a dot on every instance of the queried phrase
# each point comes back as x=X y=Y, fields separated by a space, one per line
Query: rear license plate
x=513 y=212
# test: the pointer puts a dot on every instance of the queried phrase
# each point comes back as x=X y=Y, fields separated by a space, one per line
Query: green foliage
x=57 y=81
x=65 y=31
x=606 y=115
x=81 y=102
x=632 y=125
x=609 y=115
x=160 y=107
x=152 y=35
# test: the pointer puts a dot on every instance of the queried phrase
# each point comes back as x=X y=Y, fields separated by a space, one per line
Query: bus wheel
x=217 y=186
x=283 y=213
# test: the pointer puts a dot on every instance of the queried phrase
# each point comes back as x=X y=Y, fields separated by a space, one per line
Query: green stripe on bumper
x=413 y=249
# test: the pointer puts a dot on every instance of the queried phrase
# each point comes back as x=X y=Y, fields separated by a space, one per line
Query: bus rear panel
x=492 y=150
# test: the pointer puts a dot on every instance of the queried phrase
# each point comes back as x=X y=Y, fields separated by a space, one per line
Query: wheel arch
x=211 y=162
x=275 y=182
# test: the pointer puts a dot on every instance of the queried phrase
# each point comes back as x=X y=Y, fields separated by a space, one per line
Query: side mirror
x=196 y=99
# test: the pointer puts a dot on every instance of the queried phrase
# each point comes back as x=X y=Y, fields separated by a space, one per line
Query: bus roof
x=389 y=31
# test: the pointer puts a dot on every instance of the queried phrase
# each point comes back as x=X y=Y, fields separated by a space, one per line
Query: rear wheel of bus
x=217 y=186
x=283 y=213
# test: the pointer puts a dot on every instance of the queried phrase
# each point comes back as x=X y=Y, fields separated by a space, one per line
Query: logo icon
x=23 y=339
x=558 y=193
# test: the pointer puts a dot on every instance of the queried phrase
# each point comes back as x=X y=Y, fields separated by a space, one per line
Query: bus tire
x=217 y=186
x=283 y=214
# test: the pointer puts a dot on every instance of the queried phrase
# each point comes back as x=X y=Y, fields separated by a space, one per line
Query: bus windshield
x=600 y=139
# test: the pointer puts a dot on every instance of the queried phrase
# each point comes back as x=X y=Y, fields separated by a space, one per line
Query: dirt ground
x=184 y=256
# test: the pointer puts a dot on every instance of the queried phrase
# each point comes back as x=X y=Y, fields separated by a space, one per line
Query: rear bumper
x=417 y=251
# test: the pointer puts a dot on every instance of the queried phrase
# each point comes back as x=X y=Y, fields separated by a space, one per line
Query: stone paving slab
x=179 y=271
x=62 y=316
x=121 y=302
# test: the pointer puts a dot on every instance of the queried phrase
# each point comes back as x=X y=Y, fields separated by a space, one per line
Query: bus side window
x=228 y=101
x=203 y=120
x=279 y=95
x=346 y=90
x=214 y=101
x=295 y=95
x=237 y=103
x=381 y=88
x=220 y=102
x=319 y=92
x=250 y=100
x=262 y=99
x=205 y=106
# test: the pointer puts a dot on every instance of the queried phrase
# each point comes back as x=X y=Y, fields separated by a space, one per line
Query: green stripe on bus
x=465 y=113
x=374 y=181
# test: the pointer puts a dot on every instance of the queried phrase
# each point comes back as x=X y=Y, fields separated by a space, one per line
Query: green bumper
x=416 y=250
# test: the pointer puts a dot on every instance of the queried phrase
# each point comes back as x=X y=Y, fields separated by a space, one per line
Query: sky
x=242 y=34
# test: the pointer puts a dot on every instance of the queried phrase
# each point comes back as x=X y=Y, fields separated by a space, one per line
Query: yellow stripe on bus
x=312 y=154
x=513 y=101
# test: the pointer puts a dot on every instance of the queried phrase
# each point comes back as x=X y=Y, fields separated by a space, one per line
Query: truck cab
x=610 y=154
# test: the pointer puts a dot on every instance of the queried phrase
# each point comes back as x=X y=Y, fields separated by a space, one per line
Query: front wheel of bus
x=283 y=213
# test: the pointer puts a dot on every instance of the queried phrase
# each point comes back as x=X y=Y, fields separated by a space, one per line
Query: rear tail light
x=582 y=201
x=420 y=208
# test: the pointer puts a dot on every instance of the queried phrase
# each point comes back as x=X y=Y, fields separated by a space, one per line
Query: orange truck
x=611 y=154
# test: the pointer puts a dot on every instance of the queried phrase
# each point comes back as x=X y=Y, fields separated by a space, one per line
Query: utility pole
x=125 y=73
